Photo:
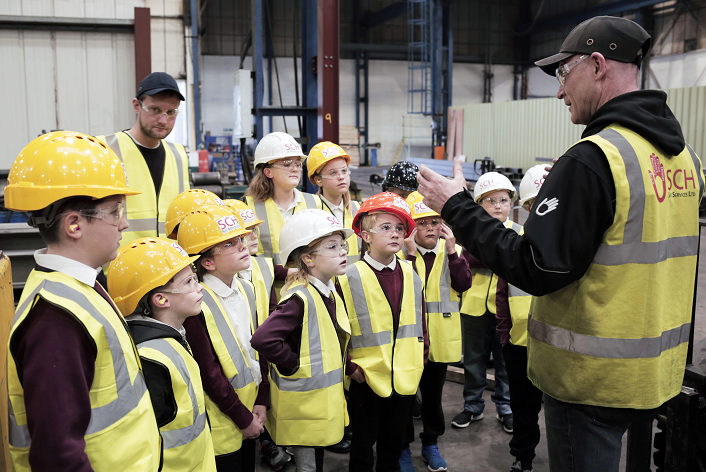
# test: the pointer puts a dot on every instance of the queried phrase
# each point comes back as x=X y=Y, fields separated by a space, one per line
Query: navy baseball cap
x=158 y=82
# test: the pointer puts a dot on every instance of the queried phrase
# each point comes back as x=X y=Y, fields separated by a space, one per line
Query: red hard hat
x=387 y=202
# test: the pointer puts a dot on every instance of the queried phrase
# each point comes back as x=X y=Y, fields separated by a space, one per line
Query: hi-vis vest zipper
x=235 y=363
x=391 y=361
x=145 y=212
x=355 y=244
x=271 y=227
x=618 y=336
x=480 y=298
x=308 y=407
x=122 y=433
x=442 y=304
x=187 y=438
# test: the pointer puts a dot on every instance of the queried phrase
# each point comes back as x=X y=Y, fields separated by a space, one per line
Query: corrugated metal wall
x=515 y=133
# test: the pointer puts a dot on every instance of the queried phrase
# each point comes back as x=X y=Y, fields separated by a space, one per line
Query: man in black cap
x=608 y=250
x=158 y=168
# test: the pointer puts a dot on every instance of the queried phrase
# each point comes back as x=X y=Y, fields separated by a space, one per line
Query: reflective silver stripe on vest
x=513 y=291
x=697 y=167
x=244 y=375
x=319 y=379
x=446 y=305
x=267 y=276
x=179 y=437
x=250 y=296
x=633 y=250
x=309 y=200
x=417 y=330
x=129 y=392
x=180 y=168
x=366 y=338
x=608 y=348
x=265 y=236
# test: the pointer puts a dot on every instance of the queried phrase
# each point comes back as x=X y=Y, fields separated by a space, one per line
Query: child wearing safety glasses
x=306 y=339
x=232 y=373
x=385 y=303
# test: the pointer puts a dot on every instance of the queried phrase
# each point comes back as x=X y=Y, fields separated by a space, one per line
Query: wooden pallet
x=349 y=140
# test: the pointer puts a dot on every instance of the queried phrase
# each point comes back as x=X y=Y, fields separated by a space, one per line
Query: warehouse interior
x=389 y=80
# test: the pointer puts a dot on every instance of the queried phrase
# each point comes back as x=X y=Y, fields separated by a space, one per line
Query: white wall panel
x=11 y=7
x=168 y=46
x=13 y=121
x=101 y=9
x=37 y=8
x=70 y=8
x=39 y=48
x=72 y=107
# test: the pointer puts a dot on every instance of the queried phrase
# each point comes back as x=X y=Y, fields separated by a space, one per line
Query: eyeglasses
x=340 y=173
x=496 y=201
x=563 y=71
x=387 y=228
x=230 y=246
x=189 y=285
x=255 y=233
x=289 y=164
x=111 y=215
x=158 y=112
x=433 y=223
x=332 y=249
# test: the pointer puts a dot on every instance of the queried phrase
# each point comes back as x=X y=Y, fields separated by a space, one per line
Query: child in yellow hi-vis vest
x=446 y=274
x=231 y=370
x=156 y=289
x=306 y=339
x=495 y=193
x=513 y=307
x=385 y=303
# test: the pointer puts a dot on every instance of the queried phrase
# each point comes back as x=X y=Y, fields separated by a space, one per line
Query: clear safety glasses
x=332 y=249
x=388 y=228
x=433 y=223
x=111 y=215
x=563 y=71
x=289 y=164
x=158 y=112
x=232 y=245
x=496 y=201
x=335 y=174
x=187 y=285
x=255 y=233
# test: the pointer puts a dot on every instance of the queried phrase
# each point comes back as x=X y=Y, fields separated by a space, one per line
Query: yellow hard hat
x=201 y=229
x=185 y=203
x=246 y=213
x=418 y=208
x=143 y=265
x=322 y=153
x=64 y=164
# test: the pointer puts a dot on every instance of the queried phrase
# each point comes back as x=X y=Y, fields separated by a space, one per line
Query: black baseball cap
x=616 y=38
x=158 y=82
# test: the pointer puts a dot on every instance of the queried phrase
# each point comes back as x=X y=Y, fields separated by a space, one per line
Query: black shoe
x=416 y=409
x=347 y=433
x=517 y=467
x=273 y=455
x=507 y=421
x=463 y=419
x=342 y=447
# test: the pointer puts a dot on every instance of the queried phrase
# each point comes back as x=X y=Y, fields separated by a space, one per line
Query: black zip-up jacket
x=559 y=244
x=157 y=378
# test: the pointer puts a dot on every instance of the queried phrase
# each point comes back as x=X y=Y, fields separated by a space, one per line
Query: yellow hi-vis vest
x=354 y=242
x=187 y=438
x=122 y=434
x=271 y=227
x=618 y=336
x=235 y=363
x=308 y=406
x=480 y=298
x=442 y=304
x=147 y=212
x=519 y=302
x=392 y=361
x=263 y=276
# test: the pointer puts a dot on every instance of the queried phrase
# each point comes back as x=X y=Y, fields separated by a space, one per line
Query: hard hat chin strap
x=47 y=216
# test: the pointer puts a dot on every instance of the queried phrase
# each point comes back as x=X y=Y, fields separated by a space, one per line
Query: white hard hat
x=531 y=183
x=490 y=182
x=276 y=146
x=306 y=226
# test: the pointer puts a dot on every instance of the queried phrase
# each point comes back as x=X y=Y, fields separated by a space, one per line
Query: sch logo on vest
x=671 y=180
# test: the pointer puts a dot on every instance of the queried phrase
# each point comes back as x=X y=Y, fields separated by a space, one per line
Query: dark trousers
x=377 y=420
x=432 y=388
x=242 y=460
x=526 y=403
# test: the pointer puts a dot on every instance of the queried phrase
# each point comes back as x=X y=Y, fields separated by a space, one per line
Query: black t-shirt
x=155 y=159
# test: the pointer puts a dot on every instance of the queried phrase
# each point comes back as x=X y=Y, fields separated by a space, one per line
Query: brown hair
x=51 y=233
x=200 y=269
x=302 y=273
x=261 y=188
x=346 y=198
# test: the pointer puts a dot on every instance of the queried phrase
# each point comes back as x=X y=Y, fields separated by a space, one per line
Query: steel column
x=257 y=31
x=143 y=45
x=328 y=69
x=195 y=55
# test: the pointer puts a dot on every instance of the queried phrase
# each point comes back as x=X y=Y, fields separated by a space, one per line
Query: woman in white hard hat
x=306 y=338
x=512 y=312
x=495 y=193
x=273 y=193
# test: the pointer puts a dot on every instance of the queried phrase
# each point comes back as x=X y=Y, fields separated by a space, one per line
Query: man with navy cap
x=608 y=250
x=158 y=168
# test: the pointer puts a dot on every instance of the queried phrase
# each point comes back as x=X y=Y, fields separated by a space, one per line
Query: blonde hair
x=368 y=221
x=346 y=197
x=302 y=273
x=262 y=187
